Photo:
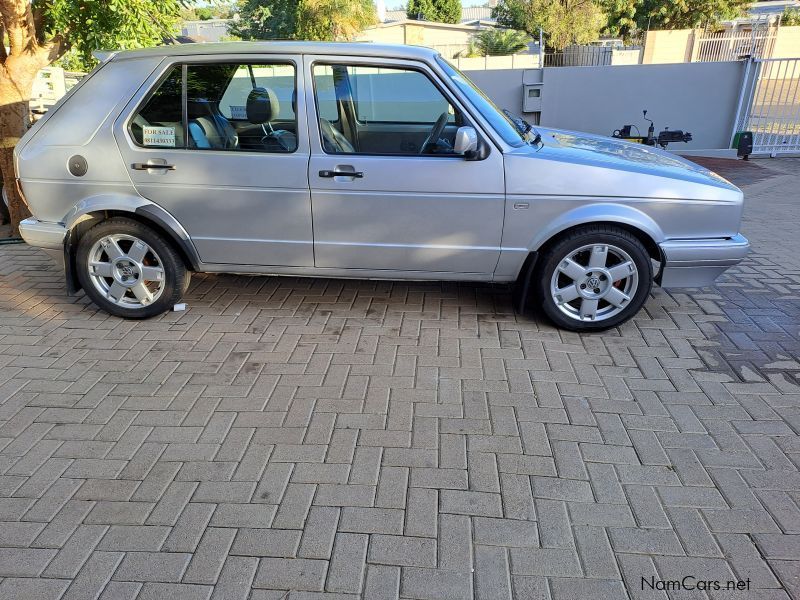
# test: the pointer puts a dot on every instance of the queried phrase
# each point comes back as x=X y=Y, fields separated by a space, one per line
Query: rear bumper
x=43 y=235
x=47 y=236
x=698 y=263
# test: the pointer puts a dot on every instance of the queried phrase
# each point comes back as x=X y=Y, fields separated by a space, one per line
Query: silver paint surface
x=415 y=217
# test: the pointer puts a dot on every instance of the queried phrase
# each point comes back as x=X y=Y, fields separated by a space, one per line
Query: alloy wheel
x=126 y=270
x=594 y=282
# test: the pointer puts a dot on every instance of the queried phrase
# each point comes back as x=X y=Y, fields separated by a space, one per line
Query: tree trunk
x=16 y=84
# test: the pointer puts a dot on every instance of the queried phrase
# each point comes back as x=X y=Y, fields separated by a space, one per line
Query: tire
x=593 y=278
x=5 y=216
x=135 y=273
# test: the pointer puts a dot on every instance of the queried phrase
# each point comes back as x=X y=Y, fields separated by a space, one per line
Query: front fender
x=597 y=213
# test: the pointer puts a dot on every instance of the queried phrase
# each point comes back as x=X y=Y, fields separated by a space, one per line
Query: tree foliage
x=498 y=42
x=40 y=32
x=791 y=16
x=218 y=9
x=334 y=20
x=439 y=11
x=688 y=14
x=621 y=17
x=111 y=24
x=575 y=21
x=331 y=20
x=564 y=22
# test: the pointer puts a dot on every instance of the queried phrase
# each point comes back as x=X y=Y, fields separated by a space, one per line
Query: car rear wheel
x=594 y=278
x=129 y=270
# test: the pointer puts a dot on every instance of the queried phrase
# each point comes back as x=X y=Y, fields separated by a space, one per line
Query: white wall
x=697 y=97
x=503 y=86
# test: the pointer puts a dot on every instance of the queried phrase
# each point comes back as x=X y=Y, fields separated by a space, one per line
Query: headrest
x=262 y=105
x=197 y=109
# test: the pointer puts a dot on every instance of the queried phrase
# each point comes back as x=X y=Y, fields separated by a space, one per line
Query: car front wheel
x=129 y=270
x=594 y=278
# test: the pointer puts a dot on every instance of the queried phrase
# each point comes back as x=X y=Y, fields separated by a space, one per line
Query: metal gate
x=769 y=105
x=735 y=44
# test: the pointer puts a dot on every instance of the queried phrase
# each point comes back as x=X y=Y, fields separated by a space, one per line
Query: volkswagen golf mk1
x=359 y=161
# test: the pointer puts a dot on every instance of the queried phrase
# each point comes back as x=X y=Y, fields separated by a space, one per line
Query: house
x=449 y=39
x=210 y=30
x=470 y=15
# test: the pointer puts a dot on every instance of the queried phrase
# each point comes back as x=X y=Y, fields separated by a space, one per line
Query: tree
x=266 y=20
x=40 y=32
x=688 y=14
x=218 y=9
x=498 y=42
x=564 y=22
x=332 y=20
x=791 y=16
x=621 y=17
x=438 y=11
x=204 y=13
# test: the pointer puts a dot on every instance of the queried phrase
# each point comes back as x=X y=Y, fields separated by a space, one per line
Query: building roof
x=210 y=30
x=339 y=48
x=468 y=14
x=476 y=13
x=475 y=26
x=774 y=7
x=395 y=15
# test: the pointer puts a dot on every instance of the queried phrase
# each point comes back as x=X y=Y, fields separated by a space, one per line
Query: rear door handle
x=152 y=165
x=329 y=174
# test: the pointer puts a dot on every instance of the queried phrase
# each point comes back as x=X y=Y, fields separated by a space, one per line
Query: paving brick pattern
x=310 y=438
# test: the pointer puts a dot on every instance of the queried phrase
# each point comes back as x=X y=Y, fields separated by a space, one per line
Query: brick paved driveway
x=346 y=439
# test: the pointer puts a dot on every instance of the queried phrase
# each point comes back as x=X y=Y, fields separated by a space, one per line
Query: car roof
x=282 y=47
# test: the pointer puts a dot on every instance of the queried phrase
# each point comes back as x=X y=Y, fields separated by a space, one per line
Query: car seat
x=262 y=107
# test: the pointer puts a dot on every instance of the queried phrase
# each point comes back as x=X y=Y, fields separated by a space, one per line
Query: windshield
x=504 y=126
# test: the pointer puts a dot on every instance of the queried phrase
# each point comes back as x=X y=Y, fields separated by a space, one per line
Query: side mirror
x=466 y=142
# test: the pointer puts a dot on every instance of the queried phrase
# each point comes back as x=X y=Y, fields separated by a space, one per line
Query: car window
x=228 y=106
x=159 y=123
x=383 y=95
x=278 y=78
x=326 y=93
x=499 y=121
x=387 y=110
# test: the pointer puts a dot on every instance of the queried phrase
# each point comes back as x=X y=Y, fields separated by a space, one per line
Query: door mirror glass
x=466 y=142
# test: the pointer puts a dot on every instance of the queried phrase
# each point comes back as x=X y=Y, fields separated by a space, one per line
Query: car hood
x=593 y=165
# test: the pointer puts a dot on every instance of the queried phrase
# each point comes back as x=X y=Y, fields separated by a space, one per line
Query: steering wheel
x=436 y=132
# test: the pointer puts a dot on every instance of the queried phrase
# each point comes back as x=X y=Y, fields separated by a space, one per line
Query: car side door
x=217 y=142
x=381 y=198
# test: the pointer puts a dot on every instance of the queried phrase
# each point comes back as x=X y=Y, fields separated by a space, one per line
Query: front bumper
x=49 y=236
x=698 y=263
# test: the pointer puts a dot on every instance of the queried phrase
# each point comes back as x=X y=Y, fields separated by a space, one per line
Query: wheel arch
x=91 y=211
x=633 y=221
x=653 y=249
x=615 y=215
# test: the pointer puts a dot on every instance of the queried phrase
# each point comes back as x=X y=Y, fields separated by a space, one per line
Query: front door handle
x=151 y=164
x=337 y=173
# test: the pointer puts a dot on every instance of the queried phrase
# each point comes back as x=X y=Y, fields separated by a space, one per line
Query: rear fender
x=94 y=209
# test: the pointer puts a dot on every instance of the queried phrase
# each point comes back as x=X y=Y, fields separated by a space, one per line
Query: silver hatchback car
x=354 y=160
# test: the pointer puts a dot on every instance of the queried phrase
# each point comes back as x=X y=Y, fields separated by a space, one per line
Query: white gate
x=757 y=42
x=769 y=105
